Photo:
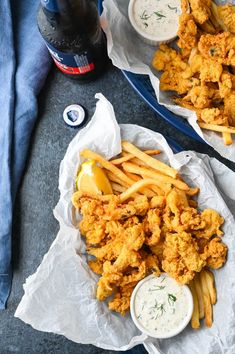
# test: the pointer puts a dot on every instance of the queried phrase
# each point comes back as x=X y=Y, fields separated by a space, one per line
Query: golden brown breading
x=202 y=71
x=133 y=239
x=181 y=249
x=213 y=116
x=121 y=301
x=229 y=107
x=220 y=47
x=201 y=10
x=226 y=17
x=213 y=222
x=187 y=32
x=96 y=266
x=215 y=253
x=174 y=81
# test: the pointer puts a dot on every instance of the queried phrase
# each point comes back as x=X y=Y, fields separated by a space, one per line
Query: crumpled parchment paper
x=60 y=296
x=128 y=52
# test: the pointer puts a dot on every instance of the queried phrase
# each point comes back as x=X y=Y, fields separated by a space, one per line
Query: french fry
x=152 y=152
x=209 y=276
x=160 y=178
x=137 y=186
x=217 y=128
x=155 y=189
x=138 y=162
x=198 y=289
x=122 y=159
x=130 y=156
x=106 y=164
x=116 y=179
x=193 y=203
x=195 y=323
x=227 y=137
x=193 y=191
x=150 y=161
x=117 y=187
x=206 y=299
x=133 y=176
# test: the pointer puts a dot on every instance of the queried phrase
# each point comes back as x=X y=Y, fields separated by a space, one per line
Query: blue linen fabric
x=24 y=64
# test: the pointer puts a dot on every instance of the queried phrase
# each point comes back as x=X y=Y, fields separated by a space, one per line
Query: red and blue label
x=71 y=63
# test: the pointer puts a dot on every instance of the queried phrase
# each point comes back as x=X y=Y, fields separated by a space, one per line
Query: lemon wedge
x=92 y=178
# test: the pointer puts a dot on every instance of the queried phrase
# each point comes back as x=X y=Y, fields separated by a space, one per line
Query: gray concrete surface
x=34 y=225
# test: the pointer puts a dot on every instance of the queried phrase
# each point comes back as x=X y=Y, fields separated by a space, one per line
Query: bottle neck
x=67 y=15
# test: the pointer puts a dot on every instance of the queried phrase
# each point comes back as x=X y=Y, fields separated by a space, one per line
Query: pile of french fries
x=204 y=297
x=137 y=172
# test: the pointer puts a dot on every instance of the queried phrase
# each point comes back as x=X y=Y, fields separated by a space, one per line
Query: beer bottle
x=74 y=38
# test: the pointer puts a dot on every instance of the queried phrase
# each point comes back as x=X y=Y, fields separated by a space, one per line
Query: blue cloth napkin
x=24 y=64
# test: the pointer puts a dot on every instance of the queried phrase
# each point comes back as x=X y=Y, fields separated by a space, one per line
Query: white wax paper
x=60 y=296
x=128 y=52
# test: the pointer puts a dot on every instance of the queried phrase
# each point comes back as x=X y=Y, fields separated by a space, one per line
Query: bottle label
x=70 y=63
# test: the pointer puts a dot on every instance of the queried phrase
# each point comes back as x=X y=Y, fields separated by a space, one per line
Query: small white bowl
x=173 y=332
x=149 y=39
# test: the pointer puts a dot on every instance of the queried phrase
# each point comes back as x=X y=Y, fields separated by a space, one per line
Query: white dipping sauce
x=159 y=18
x=161 y=305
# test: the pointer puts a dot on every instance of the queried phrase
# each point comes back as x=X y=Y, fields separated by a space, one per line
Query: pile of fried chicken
x=143 y=235
x=202 y=70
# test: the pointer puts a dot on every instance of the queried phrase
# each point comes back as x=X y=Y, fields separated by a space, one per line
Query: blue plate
x=143 y=87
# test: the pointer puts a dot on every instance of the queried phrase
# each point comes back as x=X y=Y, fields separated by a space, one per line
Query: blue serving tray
x=143 y=87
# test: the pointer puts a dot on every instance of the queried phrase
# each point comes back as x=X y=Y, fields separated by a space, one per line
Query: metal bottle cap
x=74 y=115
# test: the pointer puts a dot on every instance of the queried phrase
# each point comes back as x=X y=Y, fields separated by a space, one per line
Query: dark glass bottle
x=73 y=35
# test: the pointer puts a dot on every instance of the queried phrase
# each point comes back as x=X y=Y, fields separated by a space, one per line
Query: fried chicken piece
x=109 y=252
x=135 y=274
x=174 y=81
x=229 y=107
x=177 y=74
x=128 y=257
x=220 y=47
x=187 y=32
x=177 y=269
x=166 y=58
x=121 y=301
x=199 y=97
x=226 y=84
x=152 y=264
x=107 y=282
x=135 y=237
x=188 y=250
x=201 y=10
x=114 y=229
x=132 y=221
x=141 y=205
x=96 y=232
x=215 y=253
x=210 y=71
x=176 y=201
x=96 y=266
x=158 y=202
x=213 y=223
x=191 y=220
x=195 y=62
x=157 y=250
x=181 y=258
x=213 y=116
x=185 y=8
x=152 y=227
x=225 y=15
